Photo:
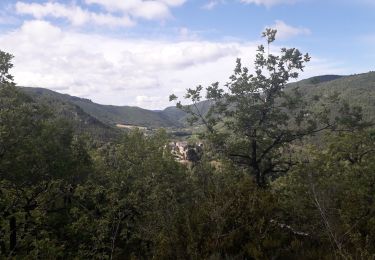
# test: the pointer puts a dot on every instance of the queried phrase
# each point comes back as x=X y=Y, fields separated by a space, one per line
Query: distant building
x=184 y=152
x=131 y=126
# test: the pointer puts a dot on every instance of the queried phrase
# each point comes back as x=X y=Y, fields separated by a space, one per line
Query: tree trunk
x=13 y=234
x=254 y=163
x=2 y=244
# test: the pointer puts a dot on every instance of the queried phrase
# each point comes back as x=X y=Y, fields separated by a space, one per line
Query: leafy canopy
x=259 y=118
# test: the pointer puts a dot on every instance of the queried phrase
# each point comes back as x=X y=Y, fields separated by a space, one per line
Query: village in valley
x=185 y=152
x=184 y=148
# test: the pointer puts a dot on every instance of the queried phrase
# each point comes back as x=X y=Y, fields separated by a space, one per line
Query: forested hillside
x=74 y=187
x=62 y=108
x=110 y=115
x=358 y=89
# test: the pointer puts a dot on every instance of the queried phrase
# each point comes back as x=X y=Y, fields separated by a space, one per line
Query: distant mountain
x=176 y=114
x=64 y=108
x=320 y=79
x=112 y=115
x=357 y=89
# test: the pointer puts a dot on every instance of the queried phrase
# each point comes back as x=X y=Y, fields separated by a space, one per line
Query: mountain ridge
x=108 y=114
x=359 y=89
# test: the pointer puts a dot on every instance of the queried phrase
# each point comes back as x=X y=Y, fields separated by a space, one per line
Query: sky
x=138 y=52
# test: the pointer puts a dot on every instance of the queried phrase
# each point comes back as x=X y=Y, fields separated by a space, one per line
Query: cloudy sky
x=137 y=52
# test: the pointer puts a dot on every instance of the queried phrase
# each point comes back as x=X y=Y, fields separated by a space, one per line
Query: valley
x=358 y=89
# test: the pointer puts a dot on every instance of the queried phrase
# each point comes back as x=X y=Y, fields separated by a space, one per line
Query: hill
x=112 y=115
x=320 y=79
x=63 y=108
x=356 y=89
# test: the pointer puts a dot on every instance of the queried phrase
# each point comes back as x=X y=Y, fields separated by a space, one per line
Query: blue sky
x=137 y=52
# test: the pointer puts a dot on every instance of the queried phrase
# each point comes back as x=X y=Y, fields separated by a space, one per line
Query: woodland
x=286 y=173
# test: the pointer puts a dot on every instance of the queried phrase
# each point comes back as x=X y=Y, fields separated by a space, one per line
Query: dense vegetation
x=110 y=115
x=264 y=189
x=96 y=118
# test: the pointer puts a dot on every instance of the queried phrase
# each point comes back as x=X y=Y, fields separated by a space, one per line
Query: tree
x=329 y=194
x=5 y=66
x=255 y=119
x=40 y=163
x=131 y=207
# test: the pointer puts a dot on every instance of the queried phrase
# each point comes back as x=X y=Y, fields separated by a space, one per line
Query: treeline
x=264 y=188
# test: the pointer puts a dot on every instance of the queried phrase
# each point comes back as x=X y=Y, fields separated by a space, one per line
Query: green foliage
x=330 y=195
x=259 y=117
x=124 y=209
x=230 y=217
x=121 y=195
x=92 y=117
x=5 y=66
x=40 y=163
x=107 y=114
x=357 y=90
x=64 y=108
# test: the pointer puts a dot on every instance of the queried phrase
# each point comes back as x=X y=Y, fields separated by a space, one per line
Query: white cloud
x=173 y=2
x=74 y=14
x=210 y=4
x=318 y=66
x=117 y=13
x=269 y=3
x=186 y=34
x=285 y=31
x=151 y=10
x=123 y=71
x=114 y=71
x=151 y=101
